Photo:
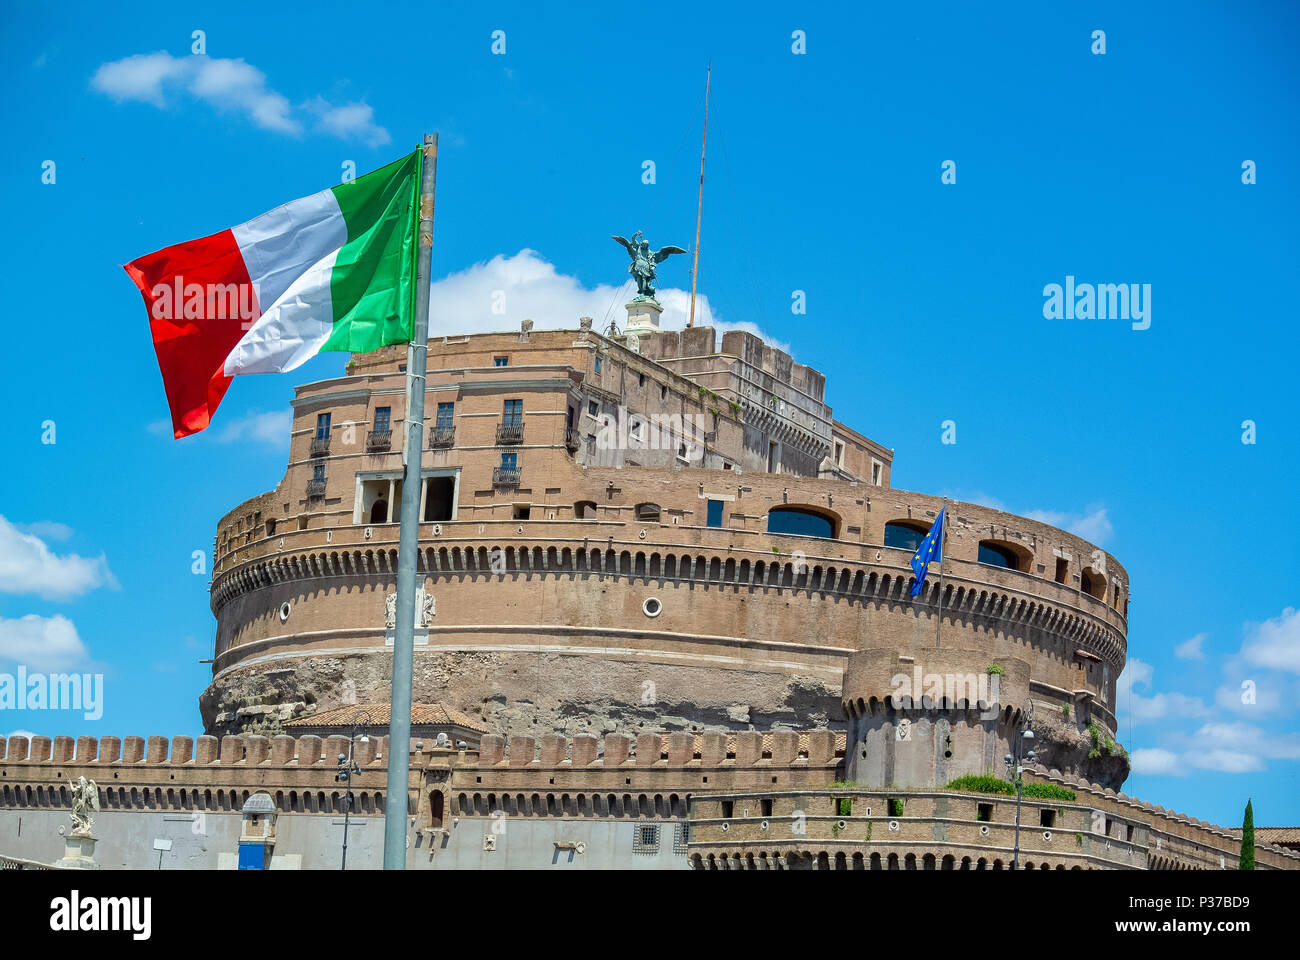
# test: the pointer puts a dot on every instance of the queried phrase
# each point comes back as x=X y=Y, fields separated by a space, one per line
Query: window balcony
x=379 y=439
x=315 y=489
x=440 y=438
x=320 y=446
x=505 y=477
x=510 y=433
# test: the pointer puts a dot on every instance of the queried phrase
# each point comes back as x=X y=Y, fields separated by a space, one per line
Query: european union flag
x=931 y=548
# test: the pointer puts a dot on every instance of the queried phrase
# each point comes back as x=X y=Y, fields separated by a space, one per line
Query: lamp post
x=348 y=769
x=1022 y=743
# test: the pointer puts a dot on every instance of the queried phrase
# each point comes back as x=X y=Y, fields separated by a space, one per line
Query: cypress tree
x=1248 y=840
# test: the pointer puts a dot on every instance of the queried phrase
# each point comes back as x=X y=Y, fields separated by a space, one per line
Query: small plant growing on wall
x=995 y=670
x=1065 y=711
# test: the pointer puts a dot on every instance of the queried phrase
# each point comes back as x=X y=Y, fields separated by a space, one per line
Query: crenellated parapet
x=1178 y=841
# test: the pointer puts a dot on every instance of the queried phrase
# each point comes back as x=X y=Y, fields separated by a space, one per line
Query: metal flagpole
x=408 y=547
x=943 y=553
x=699 y=210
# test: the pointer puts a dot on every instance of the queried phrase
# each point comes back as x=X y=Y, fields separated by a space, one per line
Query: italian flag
x=333 y=271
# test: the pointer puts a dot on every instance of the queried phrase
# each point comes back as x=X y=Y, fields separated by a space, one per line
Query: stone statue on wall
x=85 y=801
x=644 y=262
x=425 y=608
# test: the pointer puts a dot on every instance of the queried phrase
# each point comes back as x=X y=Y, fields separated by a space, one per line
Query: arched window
x=379 y=512
x=905 y=534
x=584 y=510
x=1092 y=582
x=998 y=554
x=801 y=522
x=647 y=512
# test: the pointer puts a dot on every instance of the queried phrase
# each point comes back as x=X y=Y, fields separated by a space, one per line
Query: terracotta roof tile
x=422 y=713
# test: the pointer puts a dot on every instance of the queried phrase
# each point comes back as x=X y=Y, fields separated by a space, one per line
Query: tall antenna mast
x=699 y=210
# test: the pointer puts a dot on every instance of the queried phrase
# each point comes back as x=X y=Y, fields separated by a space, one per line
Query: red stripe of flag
x=193 y=331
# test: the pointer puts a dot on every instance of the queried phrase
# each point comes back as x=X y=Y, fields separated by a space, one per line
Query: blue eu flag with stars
x=931 y=548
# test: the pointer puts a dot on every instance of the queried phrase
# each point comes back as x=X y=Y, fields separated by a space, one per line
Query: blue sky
x=924 y=299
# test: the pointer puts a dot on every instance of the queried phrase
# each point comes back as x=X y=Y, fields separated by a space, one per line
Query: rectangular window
x=445 y=413
x=318 y=471
x=513 y=415
x=1047 y=818
x=522 y=511
x=727 y=808
x=383 y=418
x=1062 y=569
x=765 y=806
x=715 y=513
x=598 y=364
x=839 y=454
x=322 y=425
x=509 y=461
x=876 y=470
x=500 y=361
x=569 y=420
x=984 y=812
x=593 y=407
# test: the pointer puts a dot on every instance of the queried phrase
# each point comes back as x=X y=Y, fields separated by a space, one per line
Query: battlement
x=242 y=750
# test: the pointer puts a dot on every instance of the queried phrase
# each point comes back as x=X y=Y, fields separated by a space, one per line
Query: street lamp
x=348 y=768
x=1022 y=743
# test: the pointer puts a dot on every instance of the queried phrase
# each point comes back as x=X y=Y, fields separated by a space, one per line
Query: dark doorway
x=438 y=499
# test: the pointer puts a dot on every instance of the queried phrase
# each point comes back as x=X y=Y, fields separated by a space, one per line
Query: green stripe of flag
x=372 y=285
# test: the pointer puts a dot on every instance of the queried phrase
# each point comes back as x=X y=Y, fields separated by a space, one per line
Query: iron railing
x=510 y=432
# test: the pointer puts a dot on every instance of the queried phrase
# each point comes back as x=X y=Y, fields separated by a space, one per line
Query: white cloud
x=1220 y=747
x=1191 y=649
x=1252 y=696
x=1249 y=739
x=1093 y=525
x=231 y=85
x=272 y=428
x=140 y=77
x=498 y=294
x=1136 y=708
x=1156 y=762
x=46 y=529
x=1275 y=643
x=41 y=643
x=350 y=121
x=27 y=565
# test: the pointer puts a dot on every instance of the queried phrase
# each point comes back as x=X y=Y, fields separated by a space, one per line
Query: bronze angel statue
x=644 y=261
x=85 y=801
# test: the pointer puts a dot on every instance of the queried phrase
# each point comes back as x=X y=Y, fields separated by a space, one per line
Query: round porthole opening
x=284 y=611
x=652 y=607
